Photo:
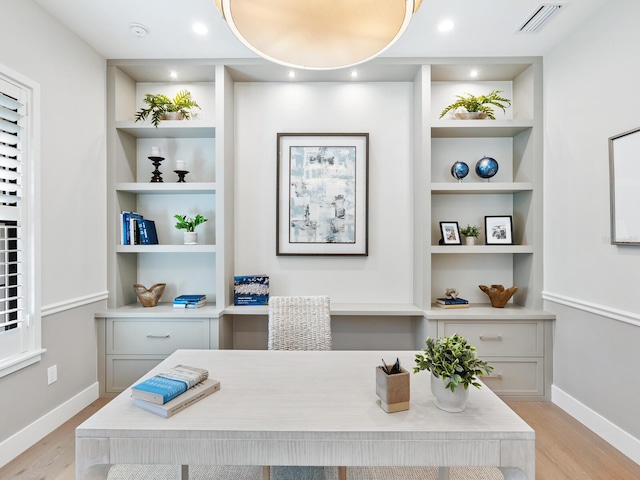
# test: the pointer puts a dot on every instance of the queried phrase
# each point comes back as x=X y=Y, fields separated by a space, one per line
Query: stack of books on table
x=189 y=301
x=173 y=390
x=452 y=303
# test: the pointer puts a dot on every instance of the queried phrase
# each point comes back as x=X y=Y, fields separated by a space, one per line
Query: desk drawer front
x=123 y=370
x=524 y=377
x=519 y=339
x=135 y=336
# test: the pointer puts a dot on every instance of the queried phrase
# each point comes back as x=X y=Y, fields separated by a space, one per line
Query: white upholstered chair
x=300 y=323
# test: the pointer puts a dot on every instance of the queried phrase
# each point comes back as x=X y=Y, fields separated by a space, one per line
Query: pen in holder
x=392 y=387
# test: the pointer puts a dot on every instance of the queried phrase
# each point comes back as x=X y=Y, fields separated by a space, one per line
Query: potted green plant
x=479 y=107
x=161 y=107
x=189 y=224
x=471 y=233
x=454 y=366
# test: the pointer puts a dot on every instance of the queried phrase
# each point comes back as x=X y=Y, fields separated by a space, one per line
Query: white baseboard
x=30 y=435
x=610 y=432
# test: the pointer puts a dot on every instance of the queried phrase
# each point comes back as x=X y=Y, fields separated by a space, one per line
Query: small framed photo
x=450 y=233
x=498 y=230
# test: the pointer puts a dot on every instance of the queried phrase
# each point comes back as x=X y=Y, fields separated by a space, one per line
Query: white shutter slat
x=9 y=127
x=10 y=175
x=9 y=103
x=8 y=151
x=9 y=139
x=7 y=162
x=11 y=188
x=8 y=114
x=9 y=213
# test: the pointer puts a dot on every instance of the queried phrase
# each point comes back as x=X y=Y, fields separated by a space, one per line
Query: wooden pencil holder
x=393 y=390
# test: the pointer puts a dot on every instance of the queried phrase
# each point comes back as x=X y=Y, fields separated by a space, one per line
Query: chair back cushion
x=299 y=323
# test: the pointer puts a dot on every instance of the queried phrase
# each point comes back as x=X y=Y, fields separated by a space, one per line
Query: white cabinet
x=517 y=343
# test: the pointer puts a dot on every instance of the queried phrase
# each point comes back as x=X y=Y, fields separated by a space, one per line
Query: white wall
x=73 y=234
x=381 y=109
x=591 y=85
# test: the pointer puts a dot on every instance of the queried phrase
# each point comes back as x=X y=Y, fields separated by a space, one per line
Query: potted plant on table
x=189 y=225
x=471 y=233
x=470 y=107
x=161 y=107
x=454 y=366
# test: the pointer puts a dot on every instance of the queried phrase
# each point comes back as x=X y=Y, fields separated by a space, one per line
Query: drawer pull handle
x=497 y=377
x=152 y=335
x=496 y=338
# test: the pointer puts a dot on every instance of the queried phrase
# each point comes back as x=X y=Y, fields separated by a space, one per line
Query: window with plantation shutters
x=19 y=320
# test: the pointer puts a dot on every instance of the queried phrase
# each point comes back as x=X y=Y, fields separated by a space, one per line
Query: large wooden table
x=305 y=408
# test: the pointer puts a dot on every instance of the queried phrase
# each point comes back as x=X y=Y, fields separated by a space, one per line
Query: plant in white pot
x=160 y=107
x=471 y=233
x=189 y=225
x=454 y=366
x=471 y=107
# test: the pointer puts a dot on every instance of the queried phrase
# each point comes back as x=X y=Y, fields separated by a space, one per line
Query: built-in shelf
x=165 y=248
x=482 y=311
x=457 y=249
x=356 y=309
x=484 y=187
x=161 y=310
x=168 y=129
x=479 y=128
x=167 y=188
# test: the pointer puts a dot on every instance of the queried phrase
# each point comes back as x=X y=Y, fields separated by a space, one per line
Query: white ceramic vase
x=447 y=400
x=470 y=240
x=190 y=238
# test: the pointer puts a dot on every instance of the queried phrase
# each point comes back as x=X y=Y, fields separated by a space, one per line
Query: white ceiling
x=483 y=28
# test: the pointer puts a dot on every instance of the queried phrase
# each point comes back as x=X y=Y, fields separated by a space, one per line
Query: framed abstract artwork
x=322 y=194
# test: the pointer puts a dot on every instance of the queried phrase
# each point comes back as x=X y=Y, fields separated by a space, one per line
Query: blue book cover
x=452 y=301
x=158 y=389
x=189 y=298
x=150 y=229
x=251 y=290
x=142 y=230
x=126 y=218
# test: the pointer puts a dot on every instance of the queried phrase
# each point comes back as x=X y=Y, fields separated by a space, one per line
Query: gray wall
x=73 y=205
x=591 y=93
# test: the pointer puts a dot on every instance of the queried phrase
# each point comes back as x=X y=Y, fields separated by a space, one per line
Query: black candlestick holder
x=157 y=174
x=181 y=175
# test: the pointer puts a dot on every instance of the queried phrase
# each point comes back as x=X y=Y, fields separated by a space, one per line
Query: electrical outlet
x=52 y=374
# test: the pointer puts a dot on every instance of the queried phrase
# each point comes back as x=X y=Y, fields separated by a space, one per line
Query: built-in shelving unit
x=206 y=143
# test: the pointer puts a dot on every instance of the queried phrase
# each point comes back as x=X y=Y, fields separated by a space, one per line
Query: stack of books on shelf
x=189 y=301
x=173 y=390
x=452 y=303
x=137 y=230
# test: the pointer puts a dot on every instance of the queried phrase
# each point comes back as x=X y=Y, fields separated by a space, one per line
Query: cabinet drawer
x=137 y=336
x=524 y=377
x=518 y=339
x=122 y=371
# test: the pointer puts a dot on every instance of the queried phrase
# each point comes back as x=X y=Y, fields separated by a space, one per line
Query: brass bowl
x=149 y=296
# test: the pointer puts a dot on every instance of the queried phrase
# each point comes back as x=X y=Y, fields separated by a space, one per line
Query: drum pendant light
x=318 y=34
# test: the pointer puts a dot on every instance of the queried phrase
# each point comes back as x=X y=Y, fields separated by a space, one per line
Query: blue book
x=452 y=301
x=158 y=390
x=150 y=230
x=189 y=299
x=167 y=385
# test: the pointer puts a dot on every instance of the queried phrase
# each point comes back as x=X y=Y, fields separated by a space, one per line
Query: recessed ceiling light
x=292 y=74
x=354 y=73
x=446 y=26
x=473 y=73
x=173 y=74
x=200 y=28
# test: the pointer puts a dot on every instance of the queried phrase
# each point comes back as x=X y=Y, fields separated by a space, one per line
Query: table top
x=305 y=394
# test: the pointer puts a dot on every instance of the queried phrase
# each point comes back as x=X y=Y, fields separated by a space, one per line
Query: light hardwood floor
x=565 y=449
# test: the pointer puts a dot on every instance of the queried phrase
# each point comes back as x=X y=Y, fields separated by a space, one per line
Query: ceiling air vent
x=540 y=17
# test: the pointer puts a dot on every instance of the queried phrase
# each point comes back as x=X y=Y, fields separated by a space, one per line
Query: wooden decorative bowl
x=149 y=297
x=498 y=295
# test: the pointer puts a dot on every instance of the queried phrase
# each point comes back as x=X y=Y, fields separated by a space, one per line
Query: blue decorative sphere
x=486 y=167
x=459 y=170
